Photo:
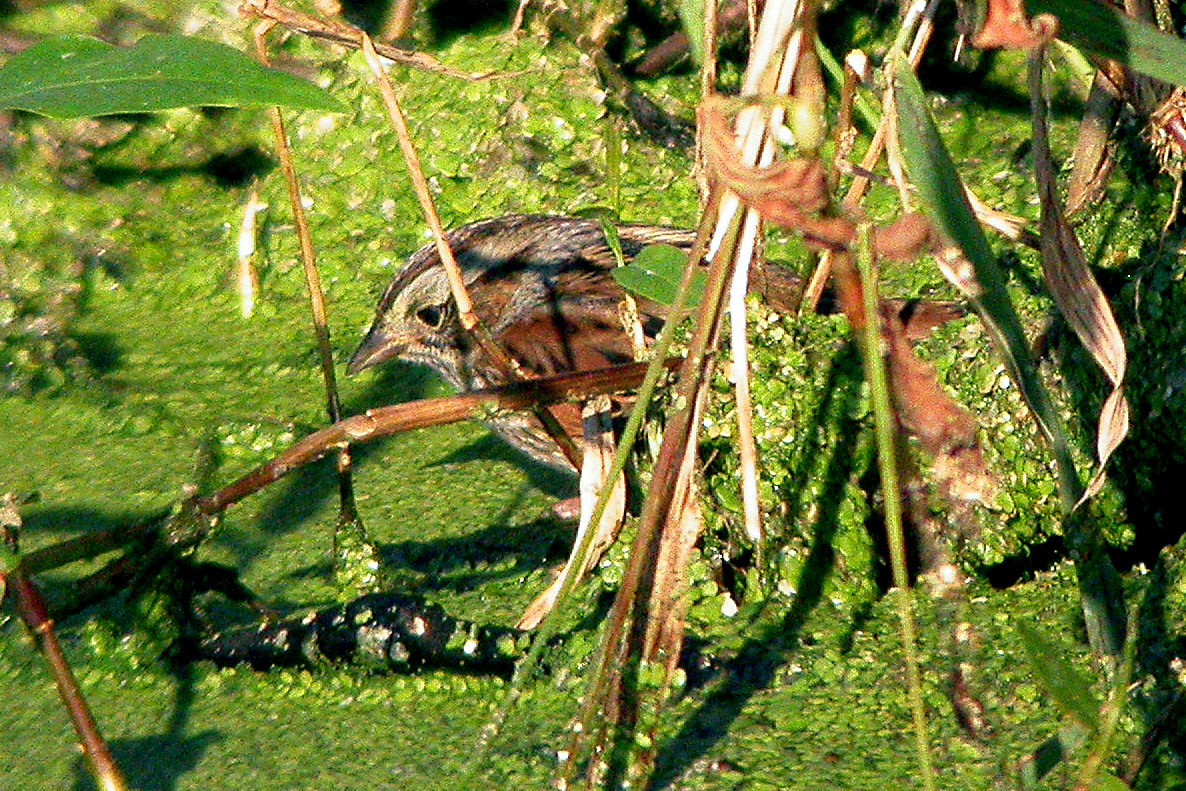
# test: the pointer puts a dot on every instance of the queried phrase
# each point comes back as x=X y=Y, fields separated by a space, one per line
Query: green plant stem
x=885 y=430
x=1109 y=717
x=646 y=391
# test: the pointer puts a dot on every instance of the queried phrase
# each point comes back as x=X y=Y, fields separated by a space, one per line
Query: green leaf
x=1106 y=782
x=612 y=240
x=1068 y=688
x=78 y=76
x=691 y=16
x=942 y=194
x=655 y=273
x=1105 y=30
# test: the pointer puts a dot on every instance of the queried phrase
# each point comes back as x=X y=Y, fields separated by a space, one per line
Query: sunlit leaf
x=974 y=269
x=655 y=273
x=78 y=76
x=1103 y=29
x=1069 y=689
x=1107 y=782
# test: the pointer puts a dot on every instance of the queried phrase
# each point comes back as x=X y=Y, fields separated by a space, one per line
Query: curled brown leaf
x=793 y=194
x=1007 y=26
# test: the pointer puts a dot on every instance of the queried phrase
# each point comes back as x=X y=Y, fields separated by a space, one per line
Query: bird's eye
x=431 y=316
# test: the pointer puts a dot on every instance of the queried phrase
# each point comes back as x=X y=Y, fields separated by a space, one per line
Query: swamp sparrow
x=542 y=286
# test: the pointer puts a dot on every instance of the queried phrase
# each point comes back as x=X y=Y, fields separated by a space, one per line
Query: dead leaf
x=1074 y=288
x=599 y=456
x=1006 y=26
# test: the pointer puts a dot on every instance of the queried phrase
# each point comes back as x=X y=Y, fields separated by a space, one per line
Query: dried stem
x=465 y=310
x=313 y=285
x=384 y=421
x=32 y=611
x=861 y=181
x=344 y=34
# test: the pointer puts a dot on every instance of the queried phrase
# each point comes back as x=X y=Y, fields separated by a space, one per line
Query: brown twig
x=349 y=512
x=856 y=190
x=384 y=421
x=32 y=611
x=465 y=310
x=344 y=34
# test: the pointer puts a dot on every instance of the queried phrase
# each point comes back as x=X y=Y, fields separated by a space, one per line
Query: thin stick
x=346 y=35
x=246 y=278
x=887 y=450
x=465 y=309
x=752 y=127
x=312 y=283
x=747 y=449
x=384 y=421
x=856 y=190
x=708 y=83
x=31 y=608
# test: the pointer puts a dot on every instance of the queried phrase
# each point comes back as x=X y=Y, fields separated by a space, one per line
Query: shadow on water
x=157 y=763
x=229 y=170
x=292 y=502
x=757 y=662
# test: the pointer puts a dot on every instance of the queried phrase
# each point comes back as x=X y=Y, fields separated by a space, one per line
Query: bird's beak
x=376 y=347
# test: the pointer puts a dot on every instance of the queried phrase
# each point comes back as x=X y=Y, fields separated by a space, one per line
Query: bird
x=543 y=287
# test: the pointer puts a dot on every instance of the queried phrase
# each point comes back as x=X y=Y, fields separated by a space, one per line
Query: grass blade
x=942 y=194
x=1102 y=29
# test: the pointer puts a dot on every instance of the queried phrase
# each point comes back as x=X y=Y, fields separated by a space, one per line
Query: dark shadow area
x=101 y=350
x=1024 y=565
x=756 y=663
x=226 y=169
x=396 y=382
x=448 y=19
x=451 y=564
x=464 y=562
x=290 y=504
x=468 y=561
x=41 y=520
x=157 y=763
x=367 y=14
x=1159 y=701
x=238 y=168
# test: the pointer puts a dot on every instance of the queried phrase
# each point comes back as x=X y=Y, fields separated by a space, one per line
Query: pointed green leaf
x=655 y=273
x=612 y=240
x=1068 y=688
x=78 y=76
x=942 y=194
x=1102 y=29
